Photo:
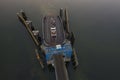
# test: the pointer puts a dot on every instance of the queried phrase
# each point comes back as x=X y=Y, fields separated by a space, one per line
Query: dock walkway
x=60 y=68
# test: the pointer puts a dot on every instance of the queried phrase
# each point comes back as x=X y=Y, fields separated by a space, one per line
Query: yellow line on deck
x=66 y=20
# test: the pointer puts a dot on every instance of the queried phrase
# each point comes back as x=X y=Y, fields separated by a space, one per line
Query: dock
x=28 y=29
x=60 y=68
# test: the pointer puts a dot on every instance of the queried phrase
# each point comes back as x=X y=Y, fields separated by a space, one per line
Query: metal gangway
x=60 y=68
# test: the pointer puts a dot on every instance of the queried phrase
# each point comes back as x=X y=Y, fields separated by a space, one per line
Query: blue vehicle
x=55 y=43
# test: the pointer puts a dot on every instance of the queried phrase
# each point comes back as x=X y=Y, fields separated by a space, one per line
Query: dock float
x=39 y=58
x=28 y=28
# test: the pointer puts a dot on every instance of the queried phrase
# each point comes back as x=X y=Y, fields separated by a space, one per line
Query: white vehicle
x=35 y=32
x=53 y=32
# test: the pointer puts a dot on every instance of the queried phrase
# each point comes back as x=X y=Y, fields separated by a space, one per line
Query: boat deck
x=53 y=22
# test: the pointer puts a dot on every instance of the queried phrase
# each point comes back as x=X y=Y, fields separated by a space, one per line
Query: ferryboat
x=56 y=42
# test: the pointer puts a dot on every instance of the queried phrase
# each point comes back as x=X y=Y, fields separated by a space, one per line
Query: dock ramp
x=60 y=68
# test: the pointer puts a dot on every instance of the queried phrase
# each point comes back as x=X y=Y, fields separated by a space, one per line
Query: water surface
x=96 y=24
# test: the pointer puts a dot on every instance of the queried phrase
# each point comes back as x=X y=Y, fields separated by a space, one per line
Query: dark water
x=96 y=24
